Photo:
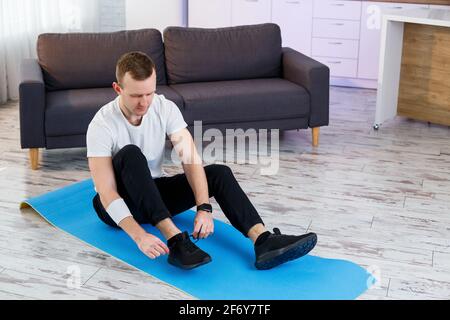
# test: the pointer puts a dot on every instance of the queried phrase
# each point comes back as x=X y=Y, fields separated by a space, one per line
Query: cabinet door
x=209 y=13
x=337 y=9
x=295 y=20
x=370 y=35
x=250 y=12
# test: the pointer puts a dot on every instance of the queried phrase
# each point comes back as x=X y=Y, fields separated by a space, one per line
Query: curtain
x=21 y=21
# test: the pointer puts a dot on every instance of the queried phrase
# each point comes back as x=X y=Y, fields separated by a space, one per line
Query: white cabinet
x=333 y=9
x=209 y=13
x=250 y=12
x=335 y=36
x=436 y=6
x=295 y=20
x=332 y=28
x=369 y=44
x=370 y=39
x=340 y=67
x=339 y=48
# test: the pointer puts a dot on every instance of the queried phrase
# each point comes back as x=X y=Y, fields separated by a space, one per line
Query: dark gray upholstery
x=280 y=124
x=244 y=100
x=80 y=105
x=245 y=52
x=172 y=95
x=88 y=60
x=314 y=77
x=237 y=77
x=32 y=104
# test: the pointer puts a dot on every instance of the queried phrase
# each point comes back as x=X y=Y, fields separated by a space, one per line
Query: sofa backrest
x=232 y=53
x=88 y=60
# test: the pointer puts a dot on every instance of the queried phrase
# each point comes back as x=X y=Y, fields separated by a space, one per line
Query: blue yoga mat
x=230 y=275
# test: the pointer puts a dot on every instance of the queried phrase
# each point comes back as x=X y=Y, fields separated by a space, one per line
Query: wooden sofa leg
x=315 y=136
x=34 y=158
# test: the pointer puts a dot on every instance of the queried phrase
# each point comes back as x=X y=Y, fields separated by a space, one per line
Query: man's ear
x=117 y=88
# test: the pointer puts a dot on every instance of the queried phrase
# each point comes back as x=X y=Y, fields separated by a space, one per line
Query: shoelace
x=198 y=238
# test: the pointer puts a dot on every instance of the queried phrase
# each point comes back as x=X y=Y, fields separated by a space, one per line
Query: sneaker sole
x=187 y=266
x=294 y=251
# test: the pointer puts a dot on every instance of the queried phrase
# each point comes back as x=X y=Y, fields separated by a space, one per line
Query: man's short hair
x=138 y=64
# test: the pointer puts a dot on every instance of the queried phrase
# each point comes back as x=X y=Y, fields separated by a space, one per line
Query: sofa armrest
x=31 y=104
x=315 y=78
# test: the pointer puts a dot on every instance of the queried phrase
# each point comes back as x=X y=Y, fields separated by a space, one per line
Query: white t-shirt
x=109 y=131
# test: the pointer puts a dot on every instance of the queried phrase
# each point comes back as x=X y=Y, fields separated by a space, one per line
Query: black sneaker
x=278 y=248
x=184 y=253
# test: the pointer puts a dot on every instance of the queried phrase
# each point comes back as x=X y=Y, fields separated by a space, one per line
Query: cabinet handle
x=293 y=2
x=338 y=4
x=338 y=24
x=396 y=7
x=334 y=62
x=334 y=42
x=252 y=0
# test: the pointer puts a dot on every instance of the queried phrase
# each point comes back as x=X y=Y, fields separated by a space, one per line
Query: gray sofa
x=237 y=77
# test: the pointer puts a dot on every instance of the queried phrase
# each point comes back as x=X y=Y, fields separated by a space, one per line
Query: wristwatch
x=205 y=207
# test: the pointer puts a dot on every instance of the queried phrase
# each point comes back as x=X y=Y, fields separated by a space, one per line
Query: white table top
x=436 y=17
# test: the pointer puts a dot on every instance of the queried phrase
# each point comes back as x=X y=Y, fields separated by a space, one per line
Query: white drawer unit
x=340 y=67
x=331 y=28
x=250 y=12
x=335 y=41
x=343 y=34
x=209 y=13
x=339 y=48
x=295 y=20
x=369 y=46
x=333 y=9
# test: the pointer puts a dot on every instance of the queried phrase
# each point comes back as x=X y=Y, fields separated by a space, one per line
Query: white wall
x=112 y=15
x=155 y=13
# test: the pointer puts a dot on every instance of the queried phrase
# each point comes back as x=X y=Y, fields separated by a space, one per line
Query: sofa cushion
x=171 y=95
x=88 y=60
x=233 y=53
x=243 y=100
x=69 y=112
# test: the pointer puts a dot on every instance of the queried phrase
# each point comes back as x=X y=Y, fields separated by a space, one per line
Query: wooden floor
x=380 y=199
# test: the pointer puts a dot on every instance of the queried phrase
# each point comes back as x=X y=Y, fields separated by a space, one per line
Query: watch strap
x=205 y=207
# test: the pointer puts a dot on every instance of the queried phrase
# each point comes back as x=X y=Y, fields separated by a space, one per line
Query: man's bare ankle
x=255 y=231
x=170 y=234
x=168 y=228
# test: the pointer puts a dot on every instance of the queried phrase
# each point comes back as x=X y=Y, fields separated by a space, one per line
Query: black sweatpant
x=151 y=200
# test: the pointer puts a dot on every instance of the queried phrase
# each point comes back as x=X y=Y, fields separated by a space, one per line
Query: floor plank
x=45 y=288
x=135 y=283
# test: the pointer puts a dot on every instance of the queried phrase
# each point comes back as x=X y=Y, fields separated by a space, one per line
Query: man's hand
x=151 y=246
x=205 y=222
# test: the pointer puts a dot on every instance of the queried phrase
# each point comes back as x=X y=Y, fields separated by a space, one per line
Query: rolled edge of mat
x=24 y=205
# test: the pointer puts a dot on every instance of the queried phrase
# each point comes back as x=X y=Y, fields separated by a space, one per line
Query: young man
x=125 y=148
